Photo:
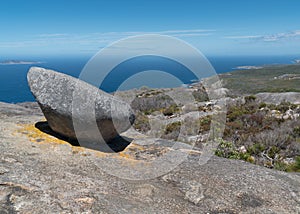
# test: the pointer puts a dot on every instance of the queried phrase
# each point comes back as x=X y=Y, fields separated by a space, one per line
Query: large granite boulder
x=66 y=103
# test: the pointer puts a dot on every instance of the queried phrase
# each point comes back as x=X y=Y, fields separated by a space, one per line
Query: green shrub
x=261 y=133
x=250 y=98
x=205 y=123
x=141 y=122
x=149 y=111
x=280 y=165
x=172 y=131
x=295 y=167
x=293 y=106
x=173 y=127
x=235 y=112
x=271 y=106
x=256 y=149
x=262 y=105
x=273 y=151
x=200 y=96
x=227 y=149
x=170 y=110
x=283 y=107
x=232 y=127
x=296 y=131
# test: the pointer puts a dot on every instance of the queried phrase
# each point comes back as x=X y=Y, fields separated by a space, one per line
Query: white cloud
x=269 y=38
x=52 y=35
x=104 y=35
x=243 y=37
x=93 y=40
x=192 y=34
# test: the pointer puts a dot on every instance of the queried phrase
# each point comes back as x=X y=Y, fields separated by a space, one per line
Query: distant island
x=18 y=62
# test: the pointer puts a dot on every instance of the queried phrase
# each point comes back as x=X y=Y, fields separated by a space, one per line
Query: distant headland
x=297 y=61
x=248 y=67
x=19 y=62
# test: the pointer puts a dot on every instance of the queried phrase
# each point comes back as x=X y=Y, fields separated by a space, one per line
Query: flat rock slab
x=277 y=98
x=78 y=110
x=49 y=177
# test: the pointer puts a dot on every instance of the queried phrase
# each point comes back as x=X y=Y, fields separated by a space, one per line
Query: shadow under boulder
x=118 y=144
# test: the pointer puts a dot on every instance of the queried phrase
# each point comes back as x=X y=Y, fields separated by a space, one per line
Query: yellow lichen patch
x=135 y=146
x=128 y=159
x=129 y=152
x=132 y=148
x=37 y=136
x=126 y=155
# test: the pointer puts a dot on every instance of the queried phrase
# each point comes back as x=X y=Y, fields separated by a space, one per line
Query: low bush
x=295 y=167
x=172 y=131
x=173 y=127
x=262 y=105
x=205 y=123
x=250 y=98
x=200 y=95
x=171 y=110
x=141 y=122
x=283 y=107
x=296 y=131
x=229 y=150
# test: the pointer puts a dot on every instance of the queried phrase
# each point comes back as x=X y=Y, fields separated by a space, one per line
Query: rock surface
x=277 y=98
x=41 y=174
x=56 y=94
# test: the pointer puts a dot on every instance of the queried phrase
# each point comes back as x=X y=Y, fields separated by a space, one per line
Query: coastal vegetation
x=266 y=135
x=279 y=78
x=259 y=132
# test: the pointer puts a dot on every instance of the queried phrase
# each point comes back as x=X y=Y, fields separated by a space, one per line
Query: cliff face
x=40 y=173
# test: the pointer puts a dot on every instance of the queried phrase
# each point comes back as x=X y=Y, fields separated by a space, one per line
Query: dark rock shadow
x=118 y=144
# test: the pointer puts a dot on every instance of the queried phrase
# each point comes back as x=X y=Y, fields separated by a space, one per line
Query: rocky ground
x=40 y=173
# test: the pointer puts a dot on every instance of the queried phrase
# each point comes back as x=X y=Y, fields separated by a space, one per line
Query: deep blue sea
x=14 y=87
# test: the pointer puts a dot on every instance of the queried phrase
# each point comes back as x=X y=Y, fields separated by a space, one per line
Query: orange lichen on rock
x=37 y=136
x=126 y=155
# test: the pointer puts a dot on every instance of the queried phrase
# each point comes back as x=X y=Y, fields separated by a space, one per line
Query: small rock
x=3 y=170
x=86 y=200
x=9 y=160
x=243 y=149
x=194 y=192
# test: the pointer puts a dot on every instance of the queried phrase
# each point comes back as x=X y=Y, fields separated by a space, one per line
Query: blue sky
x=215 y=27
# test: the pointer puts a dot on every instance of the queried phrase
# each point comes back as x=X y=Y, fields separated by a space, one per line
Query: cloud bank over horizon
x=90 y=43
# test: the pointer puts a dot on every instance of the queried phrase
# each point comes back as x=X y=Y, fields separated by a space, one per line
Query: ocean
x=14 y=87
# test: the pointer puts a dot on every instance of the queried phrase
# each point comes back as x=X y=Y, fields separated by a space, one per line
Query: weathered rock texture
x=277 y=98
x=41 y=174
x=55 y=93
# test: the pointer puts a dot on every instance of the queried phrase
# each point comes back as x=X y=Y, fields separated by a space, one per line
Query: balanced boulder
x=73 y=108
